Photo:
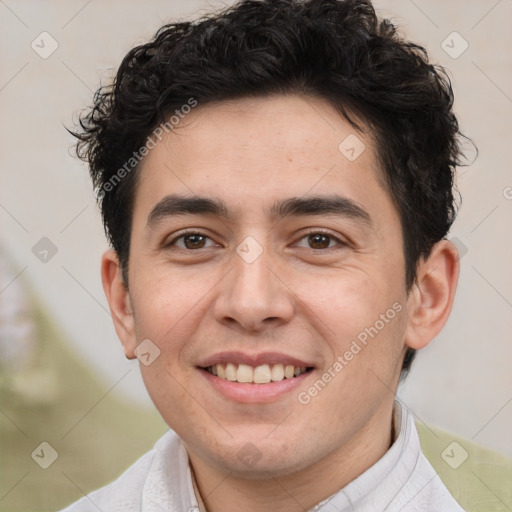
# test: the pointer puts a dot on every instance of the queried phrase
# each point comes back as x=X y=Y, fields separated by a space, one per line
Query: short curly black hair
x=338 y=50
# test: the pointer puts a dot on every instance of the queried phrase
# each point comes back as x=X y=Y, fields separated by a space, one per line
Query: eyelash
x=305 y=235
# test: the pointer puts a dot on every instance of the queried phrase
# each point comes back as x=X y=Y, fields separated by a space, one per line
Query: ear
x=431 y=298
x=119 y=302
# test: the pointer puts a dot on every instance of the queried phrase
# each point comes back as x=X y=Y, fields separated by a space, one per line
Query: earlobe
x=119 y=302
x=431 y=299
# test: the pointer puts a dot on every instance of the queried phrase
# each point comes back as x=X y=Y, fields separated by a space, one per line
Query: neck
x=296 y=491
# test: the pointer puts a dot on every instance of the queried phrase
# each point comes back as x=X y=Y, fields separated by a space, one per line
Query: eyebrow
x=176 y=205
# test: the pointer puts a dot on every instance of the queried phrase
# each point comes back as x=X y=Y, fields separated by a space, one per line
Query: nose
x=254 y=295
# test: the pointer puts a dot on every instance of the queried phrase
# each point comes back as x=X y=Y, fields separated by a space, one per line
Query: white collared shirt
x=401 y=481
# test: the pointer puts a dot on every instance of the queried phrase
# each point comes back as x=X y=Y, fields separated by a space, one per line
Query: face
x=289 y=272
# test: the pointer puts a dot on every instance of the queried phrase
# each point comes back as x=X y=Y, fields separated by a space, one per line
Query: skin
x=299 y=298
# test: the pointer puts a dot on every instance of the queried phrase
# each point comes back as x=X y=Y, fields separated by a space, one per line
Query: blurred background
x=64 y=381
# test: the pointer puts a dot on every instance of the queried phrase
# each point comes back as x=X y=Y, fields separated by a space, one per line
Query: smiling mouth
x=262 y=374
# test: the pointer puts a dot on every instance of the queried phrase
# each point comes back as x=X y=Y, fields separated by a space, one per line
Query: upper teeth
x=259 y=375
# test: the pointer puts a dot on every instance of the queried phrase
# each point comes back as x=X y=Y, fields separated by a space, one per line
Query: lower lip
x=254 y=393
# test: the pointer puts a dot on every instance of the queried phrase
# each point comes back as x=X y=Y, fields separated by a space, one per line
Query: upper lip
x=253 y=359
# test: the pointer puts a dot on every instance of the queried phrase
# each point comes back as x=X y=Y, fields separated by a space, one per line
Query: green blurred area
x=96 y=435
x=478 y=478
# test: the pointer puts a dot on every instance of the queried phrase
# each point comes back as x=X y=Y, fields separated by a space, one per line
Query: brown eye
x=319 y=241
x=194 y=241
x=190 y=241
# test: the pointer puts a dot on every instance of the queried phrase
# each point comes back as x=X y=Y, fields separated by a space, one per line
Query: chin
x=261 y=460
x=263 y=469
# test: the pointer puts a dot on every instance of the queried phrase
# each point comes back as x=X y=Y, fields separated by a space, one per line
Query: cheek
x=345 y=301
x=167 y=306
x=361 y=317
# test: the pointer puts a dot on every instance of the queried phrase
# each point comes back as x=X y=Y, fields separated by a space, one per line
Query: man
x=276 y=183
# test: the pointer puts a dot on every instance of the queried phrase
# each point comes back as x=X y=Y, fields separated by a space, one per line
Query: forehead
x=252 y=152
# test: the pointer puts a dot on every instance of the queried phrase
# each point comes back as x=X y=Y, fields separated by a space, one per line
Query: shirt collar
x=380 y=483
x=170 y=483
x=383 y=481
